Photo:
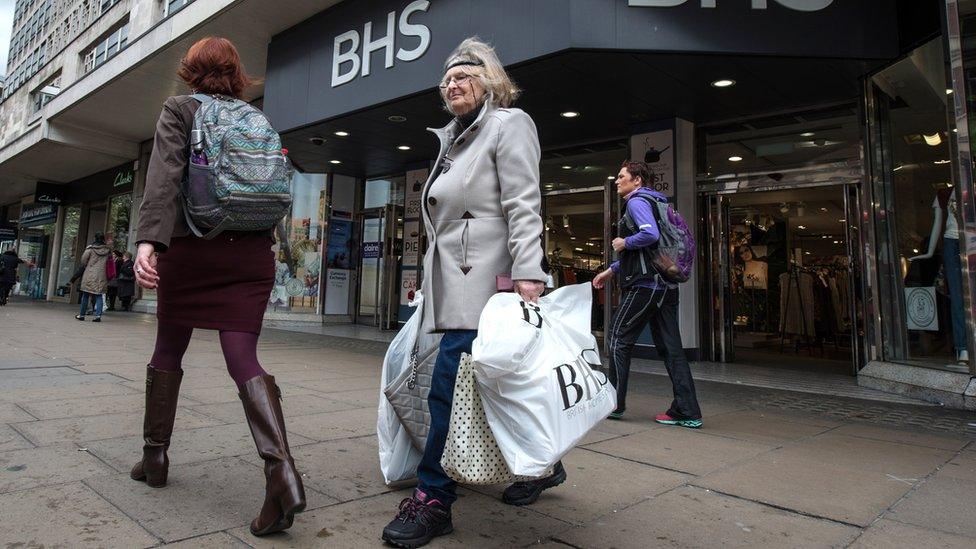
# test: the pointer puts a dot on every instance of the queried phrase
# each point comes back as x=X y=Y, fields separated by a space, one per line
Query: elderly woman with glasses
x=481 y=212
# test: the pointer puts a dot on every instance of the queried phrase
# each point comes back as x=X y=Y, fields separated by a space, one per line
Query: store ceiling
x=611 y=90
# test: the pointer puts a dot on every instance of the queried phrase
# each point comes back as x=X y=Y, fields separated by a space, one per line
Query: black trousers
x=641 y=307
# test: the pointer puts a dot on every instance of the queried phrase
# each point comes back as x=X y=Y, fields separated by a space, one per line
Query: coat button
x=431 y=200
x=460 y=141
x=474 y=128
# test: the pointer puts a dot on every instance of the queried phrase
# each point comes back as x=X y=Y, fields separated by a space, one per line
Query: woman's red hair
x=213 y=66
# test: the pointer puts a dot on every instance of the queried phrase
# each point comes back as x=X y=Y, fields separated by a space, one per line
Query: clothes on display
x=796 y=311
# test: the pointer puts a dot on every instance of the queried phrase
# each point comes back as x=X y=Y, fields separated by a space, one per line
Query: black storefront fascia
x=101 y=185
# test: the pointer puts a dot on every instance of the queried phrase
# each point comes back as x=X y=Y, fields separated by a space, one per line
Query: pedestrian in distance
x=113 y=281
x=9 y=261
x=222 y=283
x=481 y=208
x=94 y=280
x=127 y=281
x=646 y=300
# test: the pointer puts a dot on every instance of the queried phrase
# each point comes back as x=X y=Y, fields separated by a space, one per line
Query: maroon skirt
x=219 y=284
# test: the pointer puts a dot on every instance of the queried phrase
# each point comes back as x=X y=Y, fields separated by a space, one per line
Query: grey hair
x=486 y=67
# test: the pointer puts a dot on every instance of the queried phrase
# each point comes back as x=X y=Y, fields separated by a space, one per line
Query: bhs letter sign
x=355 y=63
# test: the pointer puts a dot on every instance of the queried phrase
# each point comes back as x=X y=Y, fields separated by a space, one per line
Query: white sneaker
x=962 y=357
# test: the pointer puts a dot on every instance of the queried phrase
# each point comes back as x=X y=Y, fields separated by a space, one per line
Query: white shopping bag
x=399 y=456
x=536 y=371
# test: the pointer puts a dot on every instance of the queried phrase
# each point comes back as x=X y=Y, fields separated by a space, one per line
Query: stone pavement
x=769 y=469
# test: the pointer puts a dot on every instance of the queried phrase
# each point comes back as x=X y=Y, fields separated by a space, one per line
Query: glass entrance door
x=380 y=232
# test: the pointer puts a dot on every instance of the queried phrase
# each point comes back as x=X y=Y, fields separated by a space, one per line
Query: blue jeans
x=433 y=481
x=84 y=303
x=953 y=272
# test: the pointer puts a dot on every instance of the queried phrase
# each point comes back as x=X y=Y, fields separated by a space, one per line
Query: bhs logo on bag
x=531 y=314
x=579 y=383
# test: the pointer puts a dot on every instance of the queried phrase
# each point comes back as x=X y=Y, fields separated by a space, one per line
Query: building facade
x=820 y=149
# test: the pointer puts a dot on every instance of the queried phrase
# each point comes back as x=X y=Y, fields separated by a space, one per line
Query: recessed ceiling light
x=806 y=253
x=842 y=221
x=955 y=130
x=942 y=162
x=823 y=209
x=735 y=158
x=335 y=161
x=837 y=242
x=723 y=83
x=897 y=168
x=611 y=178
x=569 y=114
x=578 y=249
x=567 y=167
x=801 y=227
x=948 y=91
x=396 y=118
x=404 y=147
x=807 y=134
x=915 y=250
x=342 y=134
x=933 y=140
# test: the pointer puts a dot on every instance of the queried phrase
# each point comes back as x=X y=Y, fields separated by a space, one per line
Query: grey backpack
x=238 y=177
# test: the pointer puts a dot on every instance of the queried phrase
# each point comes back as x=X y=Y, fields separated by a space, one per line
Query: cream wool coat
x=481 y=215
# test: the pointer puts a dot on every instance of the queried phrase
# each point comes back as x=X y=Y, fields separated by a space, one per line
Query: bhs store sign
x=348 y=64
x=798 y=5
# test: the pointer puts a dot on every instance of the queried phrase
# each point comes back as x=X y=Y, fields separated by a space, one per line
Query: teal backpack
x=238 y=177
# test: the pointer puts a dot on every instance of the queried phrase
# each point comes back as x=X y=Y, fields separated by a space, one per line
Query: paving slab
x=61 y=387
x=889 y=534
x=335 y=425
x=7 y=375
x=12 y=413
x=691 y=517
x=32 y=467
x=133 y=403
x=479 y=521
x=220 y=540
x=33 y=362
x=926 y=506
x=70 y=515
x=758 y=426
x=199 y=499
x=914 y=437
x=291 y=405
x=680 y=449
x=363 y=398
x=10 y=439
x=186 y=446
x=963 y=466
x=843 y=478
x=341 y=384
x=342 y=469
x=593 y=486
x=84 y=429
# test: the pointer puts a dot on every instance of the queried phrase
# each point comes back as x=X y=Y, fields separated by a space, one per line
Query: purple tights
x=240 y=351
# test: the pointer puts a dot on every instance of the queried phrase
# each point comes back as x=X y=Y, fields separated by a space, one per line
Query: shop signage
x=349 y=61
x=408 y=288
x=38 y=214
x=48 y=193
x=337 y=292
x=372 y=250
x=798 y=5
x=656 y=149
x=123 y=178
x=921 y=310
x=7 y=232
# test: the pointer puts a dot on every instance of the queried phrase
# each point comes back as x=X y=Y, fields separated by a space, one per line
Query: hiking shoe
x=665 y=419
x=525 y=493
x=418 y=520
x=616 y=414
x=80 y=317
x=97 y=319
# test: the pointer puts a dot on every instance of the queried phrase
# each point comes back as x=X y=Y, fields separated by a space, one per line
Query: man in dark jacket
x=646 y=299
x=9 y=260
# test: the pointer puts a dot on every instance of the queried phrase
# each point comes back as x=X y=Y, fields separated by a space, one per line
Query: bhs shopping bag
x=537 y=368
x=398 y=450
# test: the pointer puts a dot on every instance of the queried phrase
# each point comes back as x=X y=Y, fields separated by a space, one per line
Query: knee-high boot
x=162 y=392
x=285 y=494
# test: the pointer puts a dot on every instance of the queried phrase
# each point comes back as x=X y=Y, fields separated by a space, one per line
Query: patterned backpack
x=238 y=177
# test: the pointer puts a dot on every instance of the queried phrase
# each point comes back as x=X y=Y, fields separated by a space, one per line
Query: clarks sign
x=348 y=61
x=798 y=5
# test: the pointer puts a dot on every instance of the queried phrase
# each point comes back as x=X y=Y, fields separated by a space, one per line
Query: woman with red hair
x=218 y=284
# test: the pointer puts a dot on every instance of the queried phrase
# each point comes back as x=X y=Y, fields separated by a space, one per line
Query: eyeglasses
x=459 y=80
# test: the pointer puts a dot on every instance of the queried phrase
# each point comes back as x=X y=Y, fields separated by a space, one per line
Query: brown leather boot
x=162 y=392
x=285 y=494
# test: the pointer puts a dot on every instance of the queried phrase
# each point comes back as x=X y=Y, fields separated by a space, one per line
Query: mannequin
x=946 y=224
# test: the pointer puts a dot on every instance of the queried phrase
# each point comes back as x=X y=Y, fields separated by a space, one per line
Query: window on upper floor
x=106 y=4
x=173 y=6
x=107 y=47
x=45 y=92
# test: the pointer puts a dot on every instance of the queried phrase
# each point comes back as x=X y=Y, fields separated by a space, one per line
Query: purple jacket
x=640 y=212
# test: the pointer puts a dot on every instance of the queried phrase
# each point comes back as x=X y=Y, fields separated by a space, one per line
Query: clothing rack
x=794 y=278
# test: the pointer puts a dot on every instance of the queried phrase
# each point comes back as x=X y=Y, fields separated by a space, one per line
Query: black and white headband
x=463 y=63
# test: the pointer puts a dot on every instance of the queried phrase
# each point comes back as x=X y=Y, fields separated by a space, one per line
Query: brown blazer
x=161 y=216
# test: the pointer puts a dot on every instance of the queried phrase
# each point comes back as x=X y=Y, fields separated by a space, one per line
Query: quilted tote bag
x=408 y=395
x=471 y=455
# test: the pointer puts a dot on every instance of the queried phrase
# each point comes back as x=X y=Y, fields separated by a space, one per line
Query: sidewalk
x=771 y=468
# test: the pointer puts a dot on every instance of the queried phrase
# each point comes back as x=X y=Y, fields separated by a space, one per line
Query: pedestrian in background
x=94 y=281
x=113 y=282
x=223 y=283
x=9 y=261
x=645 y=301
x=127 y=281
x=481 y=208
